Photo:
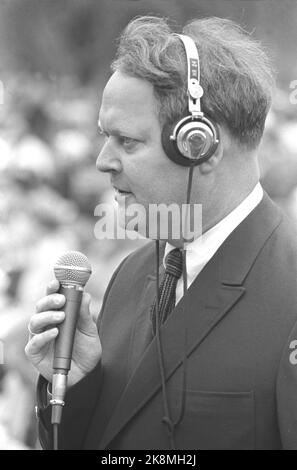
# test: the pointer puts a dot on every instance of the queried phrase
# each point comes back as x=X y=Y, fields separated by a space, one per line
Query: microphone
x=72 y=270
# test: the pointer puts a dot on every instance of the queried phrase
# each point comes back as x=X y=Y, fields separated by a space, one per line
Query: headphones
x=194 y=138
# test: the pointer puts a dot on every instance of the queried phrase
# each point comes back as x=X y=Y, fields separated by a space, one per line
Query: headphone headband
x=195 y=90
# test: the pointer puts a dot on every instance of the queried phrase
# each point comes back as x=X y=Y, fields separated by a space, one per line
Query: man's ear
x=215 y=159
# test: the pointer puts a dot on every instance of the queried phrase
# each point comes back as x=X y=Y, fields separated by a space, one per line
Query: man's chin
x=158 y=224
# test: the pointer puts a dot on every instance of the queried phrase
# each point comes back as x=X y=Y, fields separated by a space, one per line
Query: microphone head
x=72 y=269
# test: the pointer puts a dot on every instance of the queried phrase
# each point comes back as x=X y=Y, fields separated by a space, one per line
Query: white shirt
x=201 y=250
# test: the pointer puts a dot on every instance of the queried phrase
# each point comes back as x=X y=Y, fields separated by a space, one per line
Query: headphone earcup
x=177 y=137
x=170 y=147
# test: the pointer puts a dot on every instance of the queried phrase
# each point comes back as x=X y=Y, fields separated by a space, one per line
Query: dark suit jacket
x=240 y=316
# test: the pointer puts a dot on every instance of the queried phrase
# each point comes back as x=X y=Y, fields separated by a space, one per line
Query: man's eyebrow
x=118 y=132
x=111 y=131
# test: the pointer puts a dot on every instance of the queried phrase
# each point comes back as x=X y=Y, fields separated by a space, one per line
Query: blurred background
x=54 y=62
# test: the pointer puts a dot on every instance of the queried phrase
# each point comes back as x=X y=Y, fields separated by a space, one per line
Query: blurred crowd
x=49 y=188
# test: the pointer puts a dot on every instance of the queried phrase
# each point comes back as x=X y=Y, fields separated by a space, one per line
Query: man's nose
x=108 y=160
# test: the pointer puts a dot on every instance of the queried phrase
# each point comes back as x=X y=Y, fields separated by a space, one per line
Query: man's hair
x=236 y=74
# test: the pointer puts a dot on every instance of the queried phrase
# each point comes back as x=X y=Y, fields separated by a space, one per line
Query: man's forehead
x=121 y=118
x=127 y=99
x=122 y=86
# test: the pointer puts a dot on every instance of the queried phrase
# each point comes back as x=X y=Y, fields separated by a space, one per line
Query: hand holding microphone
x=65 y=307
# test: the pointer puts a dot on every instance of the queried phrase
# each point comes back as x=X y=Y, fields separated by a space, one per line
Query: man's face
x=139 y=169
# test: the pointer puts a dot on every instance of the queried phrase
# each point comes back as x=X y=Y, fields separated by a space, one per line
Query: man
x=219 y=372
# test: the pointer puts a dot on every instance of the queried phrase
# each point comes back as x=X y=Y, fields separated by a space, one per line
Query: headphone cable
x=184 y=313
x=167 y=420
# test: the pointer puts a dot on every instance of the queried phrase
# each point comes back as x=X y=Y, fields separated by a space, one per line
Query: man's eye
x=128 y=142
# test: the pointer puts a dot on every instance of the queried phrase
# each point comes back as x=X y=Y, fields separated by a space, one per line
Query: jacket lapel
x=213 y=293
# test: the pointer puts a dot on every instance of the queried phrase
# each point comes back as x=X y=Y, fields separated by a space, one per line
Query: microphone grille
x=72 y=268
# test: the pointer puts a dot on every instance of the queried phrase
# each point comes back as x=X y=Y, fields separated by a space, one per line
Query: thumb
x=85 y=322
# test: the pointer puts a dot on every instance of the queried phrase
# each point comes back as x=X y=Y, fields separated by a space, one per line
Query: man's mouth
x=121 y=191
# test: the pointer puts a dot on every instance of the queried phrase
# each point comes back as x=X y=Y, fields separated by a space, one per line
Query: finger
x=53 y=287
x=50 y=302
x=40 y=321
x=37 y=342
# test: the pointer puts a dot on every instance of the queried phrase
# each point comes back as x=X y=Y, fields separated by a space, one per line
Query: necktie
x=173 y=271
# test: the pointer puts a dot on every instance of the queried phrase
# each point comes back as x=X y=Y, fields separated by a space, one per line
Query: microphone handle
x=65 y=339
